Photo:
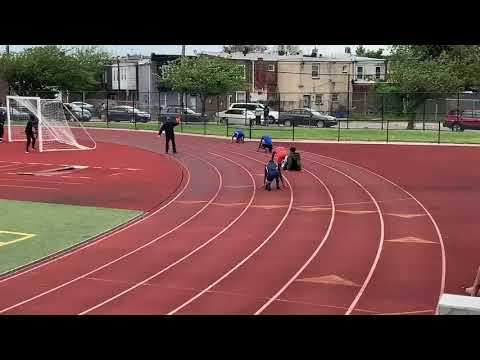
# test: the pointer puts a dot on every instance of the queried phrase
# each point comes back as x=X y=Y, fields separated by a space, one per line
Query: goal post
x=58 y=129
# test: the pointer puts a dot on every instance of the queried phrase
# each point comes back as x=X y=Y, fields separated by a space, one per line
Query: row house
x=327 y=84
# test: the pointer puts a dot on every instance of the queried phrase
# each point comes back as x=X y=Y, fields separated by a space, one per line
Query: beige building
x=323 y=83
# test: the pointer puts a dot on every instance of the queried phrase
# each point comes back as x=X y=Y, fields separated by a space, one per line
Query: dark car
x=186 y=115
x=467 y=119
x=127 y=113
x=79 y=113
x=306 y=117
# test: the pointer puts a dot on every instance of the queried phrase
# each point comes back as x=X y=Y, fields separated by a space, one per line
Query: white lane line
x=249 y=255
x=97 y=241
x=123 y=256
x=435 y=225
x=198 y=248
x=314 y=254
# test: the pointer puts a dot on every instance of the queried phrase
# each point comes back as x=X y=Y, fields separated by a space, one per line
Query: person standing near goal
x=3 y=118
x=32 y=124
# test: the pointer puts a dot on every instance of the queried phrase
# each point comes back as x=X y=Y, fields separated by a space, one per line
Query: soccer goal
x=57 y=128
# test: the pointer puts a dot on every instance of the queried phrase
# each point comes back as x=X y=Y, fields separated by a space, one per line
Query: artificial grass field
x=54 y=227
x=302 y=133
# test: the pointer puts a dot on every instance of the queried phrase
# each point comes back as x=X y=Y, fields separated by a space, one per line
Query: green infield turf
x=30 y=231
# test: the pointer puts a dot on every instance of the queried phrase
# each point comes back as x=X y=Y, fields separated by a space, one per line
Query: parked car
x=467 y=119
x=272 y=114
x=127 y=113
x=186 y=115
x=82 y=105
x=306 y=117
x=79 y=113
x=16 y=114
x=236 y=117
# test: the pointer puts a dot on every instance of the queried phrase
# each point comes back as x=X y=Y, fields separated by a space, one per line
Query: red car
x=468 y=119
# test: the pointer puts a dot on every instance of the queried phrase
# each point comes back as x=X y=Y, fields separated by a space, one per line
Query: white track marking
x=314 y=254
x=83 y=247
x=198 y=248
x=437 y=229
x=249 y=255
x=381 y=241
x=42 y=181
x=124 y=255
x=30 y=187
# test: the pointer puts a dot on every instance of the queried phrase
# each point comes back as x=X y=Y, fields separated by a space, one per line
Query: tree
x=246 y=48
x=205 y=76
x=376 y=54
x=289 y=50
x=43 y=69
x=423 y=71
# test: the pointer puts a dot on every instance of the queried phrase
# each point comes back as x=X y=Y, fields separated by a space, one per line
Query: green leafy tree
x=429 y=71
x=376 y=54
x=205 y=76
x=43 y=69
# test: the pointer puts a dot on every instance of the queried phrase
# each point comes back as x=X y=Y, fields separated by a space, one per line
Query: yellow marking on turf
x=23 y=236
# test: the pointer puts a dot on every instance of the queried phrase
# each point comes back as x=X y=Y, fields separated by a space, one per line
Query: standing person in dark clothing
x=3 y=118
x=168 y=126
x=32 y=124
x=266 y=111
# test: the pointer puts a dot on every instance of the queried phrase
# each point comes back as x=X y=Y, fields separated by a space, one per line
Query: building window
x=271 y=67
x=318 y=99
x=241 y=96
x=377 y=72
x=333 y=85
x=315 y=71
x=360 y=72
x=334 y=97
x=344 y=69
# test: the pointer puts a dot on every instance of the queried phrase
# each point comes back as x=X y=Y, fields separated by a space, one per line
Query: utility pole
x=7 y=50
x=182 y=100
x=118 y=77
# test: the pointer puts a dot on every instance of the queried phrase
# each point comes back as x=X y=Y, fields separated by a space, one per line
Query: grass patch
x=302 y=133
x=55 y=226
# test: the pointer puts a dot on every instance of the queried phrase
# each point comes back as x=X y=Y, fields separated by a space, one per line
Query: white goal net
x=57 y=128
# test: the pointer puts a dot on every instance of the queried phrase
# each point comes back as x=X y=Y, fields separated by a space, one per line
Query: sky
x=326 y=50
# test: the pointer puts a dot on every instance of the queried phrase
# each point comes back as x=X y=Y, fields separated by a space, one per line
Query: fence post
x=438 y=138
x=387 y=127
x=338 y=132
x=250 y=129
x=293 y=130
x=134 y=117
x=106 y=113
x=204 y=125
x=383 y=111
x=424 y=105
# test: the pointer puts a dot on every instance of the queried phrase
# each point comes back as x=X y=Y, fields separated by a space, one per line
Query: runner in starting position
x=239 y=136
x=272 y=172
x=266 y=143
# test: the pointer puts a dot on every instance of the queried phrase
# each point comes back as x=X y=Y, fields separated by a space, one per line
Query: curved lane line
x=127 y=254
x=198 y=248
x=287 y=284
x=249 y=255
x=437 y=229
x=380 y=244
x=99 y=240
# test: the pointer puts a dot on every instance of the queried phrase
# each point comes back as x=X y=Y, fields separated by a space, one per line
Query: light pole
x=182 y=100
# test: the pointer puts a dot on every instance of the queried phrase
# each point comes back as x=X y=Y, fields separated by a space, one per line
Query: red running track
x=333 y=242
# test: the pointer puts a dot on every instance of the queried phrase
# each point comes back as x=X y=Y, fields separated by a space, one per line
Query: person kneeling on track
x=293 y=160
x=239 y=136
x=280 y=154
x=266 y=143
x=272 y=172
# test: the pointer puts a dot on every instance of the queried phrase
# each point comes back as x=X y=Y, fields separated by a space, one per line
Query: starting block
x=450 y=304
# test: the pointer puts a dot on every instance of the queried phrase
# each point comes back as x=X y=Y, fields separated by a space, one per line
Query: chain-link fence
x=364 y=115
